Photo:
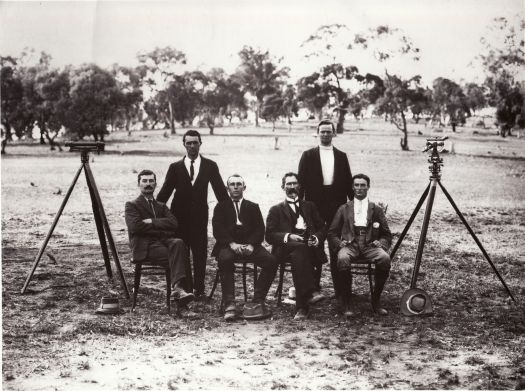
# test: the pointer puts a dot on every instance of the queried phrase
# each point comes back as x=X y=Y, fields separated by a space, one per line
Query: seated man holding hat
x=359 y=233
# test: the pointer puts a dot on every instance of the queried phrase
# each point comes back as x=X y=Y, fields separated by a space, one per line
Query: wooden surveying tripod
x=98 y=212
x=435 y=179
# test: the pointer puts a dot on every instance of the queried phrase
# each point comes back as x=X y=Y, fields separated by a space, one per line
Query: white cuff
x=316 y=240
x=286 y=238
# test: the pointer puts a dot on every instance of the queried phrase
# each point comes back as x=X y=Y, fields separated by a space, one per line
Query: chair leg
x=254 y=274
x=138 y=271
x=279 y=291
x=168 y=290
x=215 y=282
x=371 y=283
x=244 y=282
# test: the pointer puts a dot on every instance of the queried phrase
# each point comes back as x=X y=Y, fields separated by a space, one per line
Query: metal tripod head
x=85 y=147
x=435 y=146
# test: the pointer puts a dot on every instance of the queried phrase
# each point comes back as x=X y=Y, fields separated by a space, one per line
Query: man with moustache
x=152 y=235
x=238 y=227
x=360 y=233
x=295 y=230
x=188 y=179
x=326 y=179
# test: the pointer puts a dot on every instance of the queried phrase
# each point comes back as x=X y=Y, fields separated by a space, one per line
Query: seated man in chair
x=359 y=233
x=238 y=227
x=152 y=230
x=295 y=230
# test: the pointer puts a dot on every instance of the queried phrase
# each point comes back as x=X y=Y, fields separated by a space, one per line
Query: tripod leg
x=462 y=218
x=424 y=229
x=100 y=228
x=410 y=221
x=91 y=180
x=55 y=221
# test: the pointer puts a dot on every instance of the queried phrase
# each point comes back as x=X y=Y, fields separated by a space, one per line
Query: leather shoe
x=316 y=297
x=181 y=297
x=348 y=313
x=255 y=311
x=301 y=314
x=380 y=311
x=229 y=313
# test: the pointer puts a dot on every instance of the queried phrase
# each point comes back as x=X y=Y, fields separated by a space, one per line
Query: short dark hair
x=191 y=132
x=287 y=175
x=361 y=176
x=146 y=172
x=326 y=122
x=234 y=176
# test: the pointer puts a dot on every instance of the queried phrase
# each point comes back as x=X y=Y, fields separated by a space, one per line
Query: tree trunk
x=453 y=124
x=128 y=123
x=4 y=143
x=273 y=126
x=171 y=119
x=257 y=112
x=340 y=122
x=211 y=129
x=404 y=139
x=289 y=125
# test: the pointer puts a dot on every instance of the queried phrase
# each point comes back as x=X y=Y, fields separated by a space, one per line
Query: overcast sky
x=211 y=33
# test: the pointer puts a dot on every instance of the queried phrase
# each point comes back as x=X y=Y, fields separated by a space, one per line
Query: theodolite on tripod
x=415 y=301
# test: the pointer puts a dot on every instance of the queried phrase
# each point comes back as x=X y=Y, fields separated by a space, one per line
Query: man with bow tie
x=295 y=230
x=152 y=235
x=238 y=227
x=360 y=233
x=188 y=180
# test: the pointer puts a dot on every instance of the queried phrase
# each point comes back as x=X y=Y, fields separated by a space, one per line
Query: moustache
x=292 y=191
x=149 y=188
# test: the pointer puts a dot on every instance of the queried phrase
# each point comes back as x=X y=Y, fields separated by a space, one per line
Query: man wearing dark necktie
x=238 y=227
x=295 y=230
x=188 y=180
x=152 y=235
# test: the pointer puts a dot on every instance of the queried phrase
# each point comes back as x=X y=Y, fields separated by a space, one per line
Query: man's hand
x=313 y=241
x=247 y=249
x=376 y=243
x=236 y=248
x=295 y=238
x=147 y=221
x=343 y=243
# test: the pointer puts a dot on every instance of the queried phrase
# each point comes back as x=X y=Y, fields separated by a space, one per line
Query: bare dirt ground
x=52 y=338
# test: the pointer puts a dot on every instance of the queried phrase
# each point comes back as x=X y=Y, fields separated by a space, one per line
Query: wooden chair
x=247 y=267
x=284 y=266
x=362 y=267
x=152 y=268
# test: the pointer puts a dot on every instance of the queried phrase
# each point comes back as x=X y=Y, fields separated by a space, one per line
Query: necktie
x=152 y=208
x=296 y=204
x=237 y=211
x=192 y=171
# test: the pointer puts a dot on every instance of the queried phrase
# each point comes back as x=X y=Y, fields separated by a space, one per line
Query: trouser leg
x=268 y=265
x=177 y=258
x=382 y=261
x=226 y=265
x=199 y=249
x=345 y=256
x=301 y=259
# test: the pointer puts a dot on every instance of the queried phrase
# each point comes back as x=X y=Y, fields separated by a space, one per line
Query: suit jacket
x=190 y=202
x=342 y=226
x=224 y=224
x=164 y=225
x=311 y=177
x=280 y=221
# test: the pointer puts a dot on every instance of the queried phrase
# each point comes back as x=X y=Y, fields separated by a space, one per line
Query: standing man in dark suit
x=294 y=228
x=360 y=232
x=152 y=235
x=189 y=178
x=326 y=179
x=238 y=227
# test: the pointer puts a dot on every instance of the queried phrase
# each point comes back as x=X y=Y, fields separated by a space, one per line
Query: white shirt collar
x=292 y=199
x=196 y=161
x=365 y=200
x=328 y=148
x=240 y=200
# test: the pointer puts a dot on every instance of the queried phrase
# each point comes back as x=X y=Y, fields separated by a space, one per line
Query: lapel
x=317 y=164
x=336 y=163
x=184 y=172
x=287 y=212
x=201 y=175
x=350 y=214
x=145 y=205
x=369 y=213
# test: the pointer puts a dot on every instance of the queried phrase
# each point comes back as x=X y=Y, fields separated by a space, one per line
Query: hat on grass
x=416 y=302
x=108 y=305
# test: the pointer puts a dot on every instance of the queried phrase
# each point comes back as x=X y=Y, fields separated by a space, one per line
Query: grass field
x=475 y=339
